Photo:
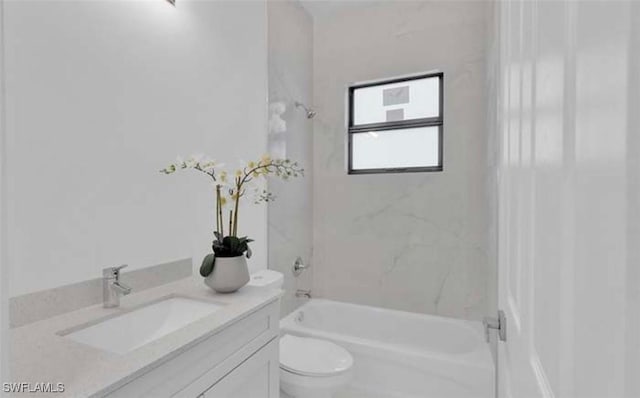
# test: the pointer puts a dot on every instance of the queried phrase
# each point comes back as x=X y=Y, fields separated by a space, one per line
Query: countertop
x=40 y=355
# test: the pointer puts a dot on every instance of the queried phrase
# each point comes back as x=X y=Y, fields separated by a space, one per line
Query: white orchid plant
x=232 y=188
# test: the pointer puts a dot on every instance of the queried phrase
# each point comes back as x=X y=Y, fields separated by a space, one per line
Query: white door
x=569 y=198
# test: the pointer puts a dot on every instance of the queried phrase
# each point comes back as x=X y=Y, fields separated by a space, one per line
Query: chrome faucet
x=112 y=288
x=303 y=293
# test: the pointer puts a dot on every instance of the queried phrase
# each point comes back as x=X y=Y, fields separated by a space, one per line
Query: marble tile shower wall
x=290 y=37
x=417 y=241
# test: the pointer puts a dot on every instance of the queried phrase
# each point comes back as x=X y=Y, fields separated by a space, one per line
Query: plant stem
x=219 y=219
x=230 y=221
x=217 y=208
x=235 y=214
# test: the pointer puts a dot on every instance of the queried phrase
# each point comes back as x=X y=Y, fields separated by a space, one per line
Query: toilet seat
x=312 y=357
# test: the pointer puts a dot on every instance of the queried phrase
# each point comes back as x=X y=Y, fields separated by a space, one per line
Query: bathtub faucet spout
x=303 y=293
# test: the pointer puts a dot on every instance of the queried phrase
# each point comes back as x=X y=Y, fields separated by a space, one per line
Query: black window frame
x=437 y=121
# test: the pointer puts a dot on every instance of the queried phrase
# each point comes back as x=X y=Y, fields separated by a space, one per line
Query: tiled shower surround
x=290 y=39
x=410 y=241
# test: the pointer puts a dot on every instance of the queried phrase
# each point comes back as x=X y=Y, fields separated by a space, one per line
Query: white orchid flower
x=237 y=182
x=207 y=164
x=169 y=169
x=191 y=162
x=197 y=159
x=180 y=164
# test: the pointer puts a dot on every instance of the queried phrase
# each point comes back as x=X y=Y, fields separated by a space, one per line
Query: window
x=396 y=125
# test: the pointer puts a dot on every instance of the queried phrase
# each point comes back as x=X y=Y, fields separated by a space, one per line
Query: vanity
x=177 y=340
x=241 y=360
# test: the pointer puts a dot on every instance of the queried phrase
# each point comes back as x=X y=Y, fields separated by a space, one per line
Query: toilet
x=313 y=368
x=266 y=279
x=309 y=367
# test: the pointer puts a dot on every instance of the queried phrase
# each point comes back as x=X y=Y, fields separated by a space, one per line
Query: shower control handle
x=299 y=266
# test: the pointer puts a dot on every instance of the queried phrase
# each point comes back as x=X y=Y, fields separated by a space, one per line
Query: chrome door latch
x=499 y=324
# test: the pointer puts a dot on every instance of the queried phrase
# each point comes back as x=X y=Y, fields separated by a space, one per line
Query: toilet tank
x=267 y=279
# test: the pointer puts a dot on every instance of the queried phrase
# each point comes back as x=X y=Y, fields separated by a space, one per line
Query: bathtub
x=400 y=354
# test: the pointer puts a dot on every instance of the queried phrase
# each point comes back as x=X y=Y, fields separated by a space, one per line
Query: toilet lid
x=313 y=357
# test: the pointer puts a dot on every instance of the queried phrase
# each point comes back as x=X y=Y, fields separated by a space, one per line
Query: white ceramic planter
x=229 y=274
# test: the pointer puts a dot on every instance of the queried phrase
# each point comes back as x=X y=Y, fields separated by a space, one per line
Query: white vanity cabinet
x=239 y=361
x=256 y=377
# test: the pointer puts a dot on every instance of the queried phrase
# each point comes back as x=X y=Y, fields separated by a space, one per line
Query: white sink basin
x=134 y=329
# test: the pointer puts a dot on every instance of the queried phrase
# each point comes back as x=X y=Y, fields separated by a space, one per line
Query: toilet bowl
x=313 y=368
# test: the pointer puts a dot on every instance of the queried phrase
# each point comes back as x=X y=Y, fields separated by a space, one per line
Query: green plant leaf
x=231 y=246
x=207 y=265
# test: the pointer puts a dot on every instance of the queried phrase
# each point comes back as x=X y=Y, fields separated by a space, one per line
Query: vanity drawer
x=193 y=371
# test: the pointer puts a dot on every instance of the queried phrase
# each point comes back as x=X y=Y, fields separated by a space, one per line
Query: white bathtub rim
x=476 y=377
x=471 y=360
x=473 y=325
x=479 y=357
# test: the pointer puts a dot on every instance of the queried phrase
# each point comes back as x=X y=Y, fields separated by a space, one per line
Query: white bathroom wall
x=4 y=274
x=632 y=271
x=569 y=179
x=290 y=80
x=100 y=96
x=416 y=241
